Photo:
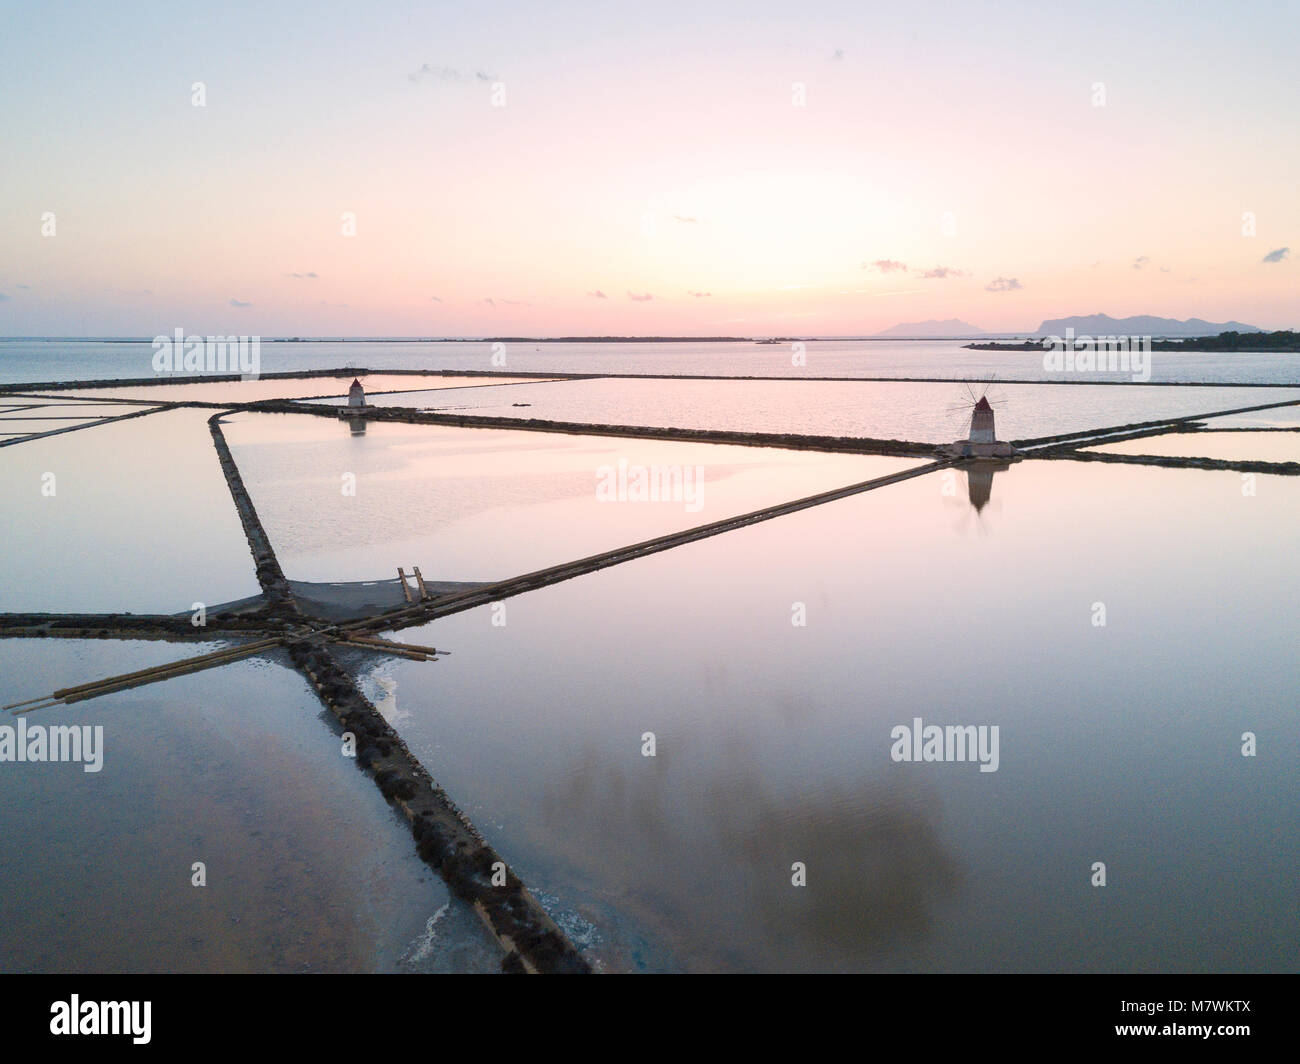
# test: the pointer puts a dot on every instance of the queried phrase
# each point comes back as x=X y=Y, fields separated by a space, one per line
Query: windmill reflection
x=979 y=481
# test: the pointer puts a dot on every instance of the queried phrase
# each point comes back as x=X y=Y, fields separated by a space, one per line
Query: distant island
x=1284 y=340
x=1140 y=325
x=933 y=330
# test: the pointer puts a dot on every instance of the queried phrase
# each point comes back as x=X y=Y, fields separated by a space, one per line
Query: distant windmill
x=973 y=414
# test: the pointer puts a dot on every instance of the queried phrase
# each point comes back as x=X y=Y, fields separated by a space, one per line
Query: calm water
x=307 y=867
x=1118 y=744
x=467 y=504
x=140 y=519
x=892 y=411
x=22 y=417
x=1229 y=446
x=958 y=598
x=332 y=389
x=26 y=360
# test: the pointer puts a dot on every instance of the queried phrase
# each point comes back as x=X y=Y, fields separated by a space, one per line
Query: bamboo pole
x=144 y=676
x=401 y=653
x=261 y=644
x=390 y=643
x=181 y=668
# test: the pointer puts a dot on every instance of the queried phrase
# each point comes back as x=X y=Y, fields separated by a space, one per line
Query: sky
x=431 y=169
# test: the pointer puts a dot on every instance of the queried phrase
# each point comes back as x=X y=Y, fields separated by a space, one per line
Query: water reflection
x=979 y=481
x=875 y=864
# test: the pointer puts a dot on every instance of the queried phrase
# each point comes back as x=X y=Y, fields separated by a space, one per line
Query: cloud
x=1004 y=284
x=488 y=301
x=685 y=219
x=1140 y=261
x=597 y=294
x=837 y=54
x=884 y=265
x=23 y=286
x=1164 y=269
x=3 y=298
x=239 y=303
x=1276 y=255
x=435 y=299
x=644 y=297
x=699 y=295
x=432 y=73
x=304 y=276
x=446 y=73
x=516 y=303
x=941 y=273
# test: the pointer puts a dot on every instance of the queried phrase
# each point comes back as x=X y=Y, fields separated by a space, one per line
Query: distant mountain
x=1141 y=325
x=951 y=327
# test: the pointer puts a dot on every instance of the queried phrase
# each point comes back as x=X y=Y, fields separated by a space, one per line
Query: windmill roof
x=983 y=404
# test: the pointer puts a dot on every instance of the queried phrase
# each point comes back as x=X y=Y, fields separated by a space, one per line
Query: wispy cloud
x=239 y=303
x=429 y=73
x=1004 y=284
x=304 y=276
x=643 y=297
x=1140 y=262
x=685 y=219
x=597 y=294
x=940 y=273
x=1276 y=255
x=885 y=265
x=700 y=295
x=435 y=299
x=23 y=286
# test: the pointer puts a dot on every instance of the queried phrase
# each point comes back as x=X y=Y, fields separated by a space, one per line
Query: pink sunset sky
x=744 y=169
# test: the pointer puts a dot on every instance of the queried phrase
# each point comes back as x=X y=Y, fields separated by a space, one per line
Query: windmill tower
x=981 y=440
x=357 y=408
x=981 y=422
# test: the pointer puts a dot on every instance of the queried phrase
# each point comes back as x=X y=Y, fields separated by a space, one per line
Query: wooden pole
x=424 y=591
x=349 y=637
x=149 y=675
x=396 y=651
